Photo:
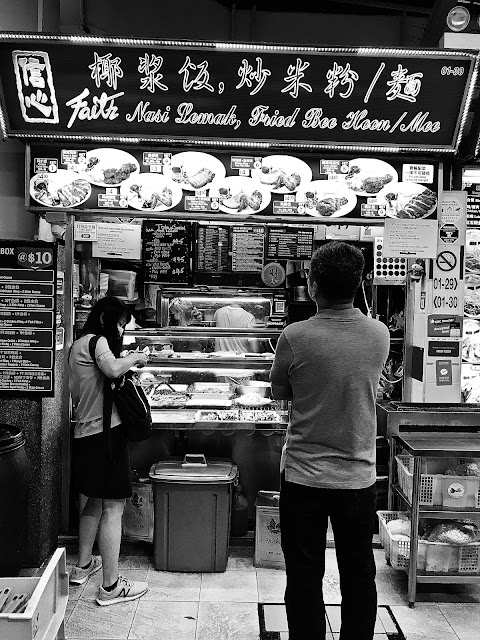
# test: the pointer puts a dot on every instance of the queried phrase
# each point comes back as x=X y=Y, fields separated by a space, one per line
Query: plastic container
x=121 y=284
x=13 y=498
x=268 y=550
x=439 y=489
x=433 y=557
x=43 y=619
x=192 y=506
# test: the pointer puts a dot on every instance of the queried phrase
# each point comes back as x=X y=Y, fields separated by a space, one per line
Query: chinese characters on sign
x=35 y=88
x=220 y=93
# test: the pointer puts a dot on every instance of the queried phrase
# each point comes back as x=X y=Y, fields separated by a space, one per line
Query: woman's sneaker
x=79 y=575
x=125 y=590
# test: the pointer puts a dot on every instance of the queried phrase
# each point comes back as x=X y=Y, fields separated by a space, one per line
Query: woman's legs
x=109 y=538
x=88 y=527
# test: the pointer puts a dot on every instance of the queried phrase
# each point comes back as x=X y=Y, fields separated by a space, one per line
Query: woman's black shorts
x=96 y=475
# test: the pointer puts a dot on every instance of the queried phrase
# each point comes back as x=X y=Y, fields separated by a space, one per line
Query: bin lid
x=10 y=437
x=194 y=468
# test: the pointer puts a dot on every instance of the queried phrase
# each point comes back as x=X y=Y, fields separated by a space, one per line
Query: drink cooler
x=192 y=509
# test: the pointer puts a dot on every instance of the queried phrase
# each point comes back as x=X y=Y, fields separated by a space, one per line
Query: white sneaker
x=125 y=590
x=79 y=575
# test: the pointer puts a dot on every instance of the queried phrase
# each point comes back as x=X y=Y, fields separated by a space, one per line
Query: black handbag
x=130 y=400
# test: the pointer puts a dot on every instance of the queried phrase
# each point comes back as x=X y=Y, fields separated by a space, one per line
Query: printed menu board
x=248 y=248
x=290 y=243
x=27 y=317
x=212 y=248
x=166 y=251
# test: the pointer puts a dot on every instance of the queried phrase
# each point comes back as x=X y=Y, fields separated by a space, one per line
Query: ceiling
x=434 y=10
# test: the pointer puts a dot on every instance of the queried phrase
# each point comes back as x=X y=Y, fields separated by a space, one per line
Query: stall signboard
x=166 y=251
x=27 y=317
x=59 y=85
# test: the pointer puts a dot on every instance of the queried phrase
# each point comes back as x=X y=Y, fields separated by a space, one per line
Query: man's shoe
x=79 y=575
x=124 y=591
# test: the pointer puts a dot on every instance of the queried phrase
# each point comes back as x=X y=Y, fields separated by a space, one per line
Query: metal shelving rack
x=423 y=445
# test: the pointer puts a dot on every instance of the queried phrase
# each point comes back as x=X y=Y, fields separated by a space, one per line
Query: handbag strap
x=107 y=398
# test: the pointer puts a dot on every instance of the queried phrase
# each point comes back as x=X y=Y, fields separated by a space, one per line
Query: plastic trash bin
x=13 y=498
x=192 y=506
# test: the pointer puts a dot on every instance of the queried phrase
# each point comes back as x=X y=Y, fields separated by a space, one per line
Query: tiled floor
x=223 y=606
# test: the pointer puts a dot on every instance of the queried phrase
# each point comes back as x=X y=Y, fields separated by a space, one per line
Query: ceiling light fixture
x=458 y=18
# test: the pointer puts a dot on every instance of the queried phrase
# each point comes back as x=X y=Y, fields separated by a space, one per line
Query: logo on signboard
x=273 y=274
x=35 y=89
x=449 y=233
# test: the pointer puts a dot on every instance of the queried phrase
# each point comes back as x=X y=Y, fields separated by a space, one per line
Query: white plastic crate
x=434 y=557
x=438 y=489
x=43 y=619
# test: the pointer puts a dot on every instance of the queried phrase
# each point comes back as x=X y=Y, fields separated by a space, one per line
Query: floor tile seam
x=137 y=603
x=448 y=622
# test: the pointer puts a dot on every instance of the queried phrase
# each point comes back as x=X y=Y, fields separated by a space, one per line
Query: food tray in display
x=151 y=192
x=367 y=176
x=248 y=400
x=206 y=401
x=238 y=194
x=209 y=387
x=434 y=487
x=194 y=170
x=433 y=557
x=472 y=280
x=238 y=415
x=282 y=174
x=167 y=401
x=108 y=167
x=325 y=199
x=407 y=200
x=62 y=189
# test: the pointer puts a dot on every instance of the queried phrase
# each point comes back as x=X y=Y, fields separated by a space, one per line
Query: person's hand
x=141 y=359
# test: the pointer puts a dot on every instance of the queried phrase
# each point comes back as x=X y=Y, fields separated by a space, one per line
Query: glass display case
x=193 y=381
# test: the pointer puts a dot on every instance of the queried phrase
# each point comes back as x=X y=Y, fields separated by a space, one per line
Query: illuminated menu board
x=27 y=317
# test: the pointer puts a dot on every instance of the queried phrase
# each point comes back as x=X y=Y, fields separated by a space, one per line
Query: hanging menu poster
x=27 y=317
x=212 y=248
x=166 y=251
x=290 y=243
x=248 y=248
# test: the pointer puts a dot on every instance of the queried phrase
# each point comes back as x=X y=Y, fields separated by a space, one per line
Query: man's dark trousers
x=304 y=513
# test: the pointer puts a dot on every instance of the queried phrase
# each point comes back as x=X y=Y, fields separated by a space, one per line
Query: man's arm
x=279 y=374
x=282 y=393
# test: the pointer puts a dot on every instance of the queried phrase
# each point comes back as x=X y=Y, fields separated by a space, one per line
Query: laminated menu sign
x=165 y=252
x=27 y=317
x=290 y=243
x=248 y=248
x=212 y=248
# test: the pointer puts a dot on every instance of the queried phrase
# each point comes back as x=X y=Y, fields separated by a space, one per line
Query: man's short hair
x=337 y=269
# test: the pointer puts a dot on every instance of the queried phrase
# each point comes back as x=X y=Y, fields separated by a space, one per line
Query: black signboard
x=157 y=90
x=248 y=248
x=27 y=317
x=212 y=248
x=166 y=251
x=289 y=243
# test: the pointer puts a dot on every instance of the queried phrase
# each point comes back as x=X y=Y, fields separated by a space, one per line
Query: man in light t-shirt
x=234 y=316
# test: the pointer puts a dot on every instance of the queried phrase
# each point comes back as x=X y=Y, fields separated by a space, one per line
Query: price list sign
x=166 y=251
x=27 y=317
x=290 y=243
x=212 y=248
x=248 y=248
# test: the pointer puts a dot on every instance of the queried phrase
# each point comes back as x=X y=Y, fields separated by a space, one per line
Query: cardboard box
x=268 y=550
